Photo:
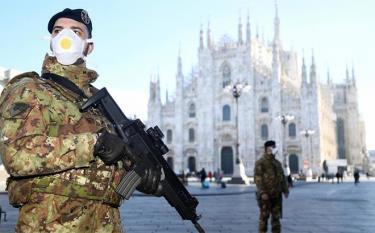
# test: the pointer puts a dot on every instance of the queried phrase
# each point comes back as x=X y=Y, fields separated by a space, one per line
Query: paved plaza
x=311 y=207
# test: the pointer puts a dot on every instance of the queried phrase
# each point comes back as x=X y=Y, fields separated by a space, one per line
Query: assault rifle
x=148 y=149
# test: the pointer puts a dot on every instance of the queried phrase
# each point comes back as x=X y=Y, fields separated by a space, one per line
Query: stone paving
x=311 y=208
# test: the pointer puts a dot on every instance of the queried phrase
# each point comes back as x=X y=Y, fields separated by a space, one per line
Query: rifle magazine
x=128 y=184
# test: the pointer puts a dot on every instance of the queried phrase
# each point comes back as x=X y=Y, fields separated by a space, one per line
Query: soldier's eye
x=56 y=31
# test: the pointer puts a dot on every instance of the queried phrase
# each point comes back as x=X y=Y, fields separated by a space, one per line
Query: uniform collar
x=267 y=156
x=77 y=73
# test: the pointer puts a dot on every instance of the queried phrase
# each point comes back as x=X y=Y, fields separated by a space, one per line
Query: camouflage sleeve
x=26 y=147
x=258 y=178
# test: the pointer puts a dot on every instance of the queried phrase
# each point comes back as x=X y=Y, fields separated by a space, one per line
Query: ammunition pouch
x=19 y=191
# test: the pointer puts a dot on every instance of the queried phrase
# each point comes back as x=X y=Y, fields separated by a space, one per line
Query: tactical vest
x=96 y=182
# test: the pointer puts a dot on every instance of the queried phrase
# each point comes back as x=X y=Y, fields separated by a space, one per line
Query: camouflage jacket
x=269 y=176
x=46 y=143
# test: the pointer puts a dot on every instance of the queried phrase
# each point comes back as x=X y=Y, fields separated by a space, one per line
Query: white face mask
x=68 y=47
x=274 y=151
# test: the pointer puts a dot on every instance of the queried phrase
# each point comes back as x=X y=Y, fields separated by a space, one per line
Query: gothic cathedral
x=246 y=91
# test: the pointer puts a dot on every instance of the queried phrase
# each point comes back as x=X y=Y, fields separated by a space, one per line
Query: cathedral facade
x=246 y=91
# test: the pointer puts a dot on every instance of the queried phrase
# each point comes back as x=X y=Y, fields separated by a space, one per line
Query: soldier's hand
x=150 y=183
x=286 y=195
x=109 y=147
x=264 y=196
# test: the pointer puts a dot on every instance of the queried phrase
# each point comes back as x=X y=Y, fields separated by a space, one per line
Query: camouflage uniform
x=46 y=145
x=269 y=179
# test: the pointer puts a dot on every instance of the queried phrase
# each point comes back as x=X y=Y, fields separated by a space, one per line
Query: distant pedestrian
x=341 y=176
x=368 y=175
x=356 y=177
x=270 y=183
x=184 y=178
x=337 y=176
x=290 y=181
x=203 y=175
x=210 y=176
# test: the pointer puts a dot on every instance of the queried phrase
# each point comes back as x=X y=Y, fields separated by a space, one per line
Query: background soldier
x=270 y=182
x=63 y=164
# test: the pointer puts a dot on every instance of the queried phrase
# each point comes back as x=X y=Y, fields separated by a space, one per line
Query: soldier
x=64 y=165
x=270 y=182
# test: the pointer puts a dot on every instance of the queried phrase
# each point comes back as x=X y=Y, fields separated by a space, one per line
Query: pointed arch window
x=191 y=135
x=169 y=136
x=264 y=105
x=226 y=113
x=264 y=132
x=192 y=110
x=226 y=72
x=292 y=130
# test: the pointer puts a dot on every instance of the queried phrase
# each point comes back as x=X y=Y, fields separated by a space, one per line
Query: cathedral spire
x=313 y=70
x=240 y=41
x=276 y=39
x=304 y=75
x=158 y=99
x=179 y=64
x=248 y=30
x=152 y=89
x=158 y=78
x=347 y=79
x=353 y=76
x=201 y=38
x=276 y=26
x=329 y=81
x=208 y=35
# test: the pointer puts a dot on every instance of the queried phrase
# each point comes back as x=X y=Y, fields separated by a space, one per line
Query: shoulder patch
x=18 y=108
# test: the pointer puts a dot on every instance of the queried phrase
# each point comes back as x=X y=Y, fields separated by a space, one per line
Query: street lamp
x=285 y=118
x=307 y=133
x=239 y=176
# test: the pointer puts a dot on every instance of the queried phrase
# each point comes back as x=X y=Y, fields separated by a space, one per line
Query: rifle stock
x=148 y=149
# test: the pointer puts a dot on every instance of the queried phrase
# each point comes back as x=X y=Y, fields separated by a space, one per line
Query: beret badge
x=85 y=17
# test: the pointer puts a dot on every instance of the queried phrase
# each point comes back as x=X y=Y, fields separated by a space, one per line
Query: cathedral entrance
x=293 y=164
x=170 y=162
x=191 y=164
x=227 y=160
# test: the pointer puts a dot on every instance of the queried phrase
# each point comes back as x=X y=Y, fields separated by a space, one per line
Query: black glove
x=150 y=183
x=109 y=147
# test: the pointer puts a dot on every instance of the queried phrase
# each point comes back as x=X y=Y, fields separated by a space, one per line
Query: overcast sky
x=134 y=39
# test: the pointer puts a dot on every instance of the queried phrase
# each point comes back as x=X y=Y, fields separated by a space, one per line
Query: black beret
x=269 y=143
x=79 y=15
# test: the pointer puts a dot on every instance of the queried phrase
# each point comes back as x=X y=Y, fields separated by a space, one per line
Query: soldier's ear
x=89 y=48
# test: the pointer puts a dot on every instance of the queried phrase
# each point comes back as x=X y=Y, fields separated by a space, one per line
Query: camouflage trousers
x=60 y=214
x=270 y=207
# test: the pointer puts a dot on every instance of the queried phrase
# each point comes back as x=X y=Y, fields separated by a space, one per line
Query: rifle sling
x=64 y=82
